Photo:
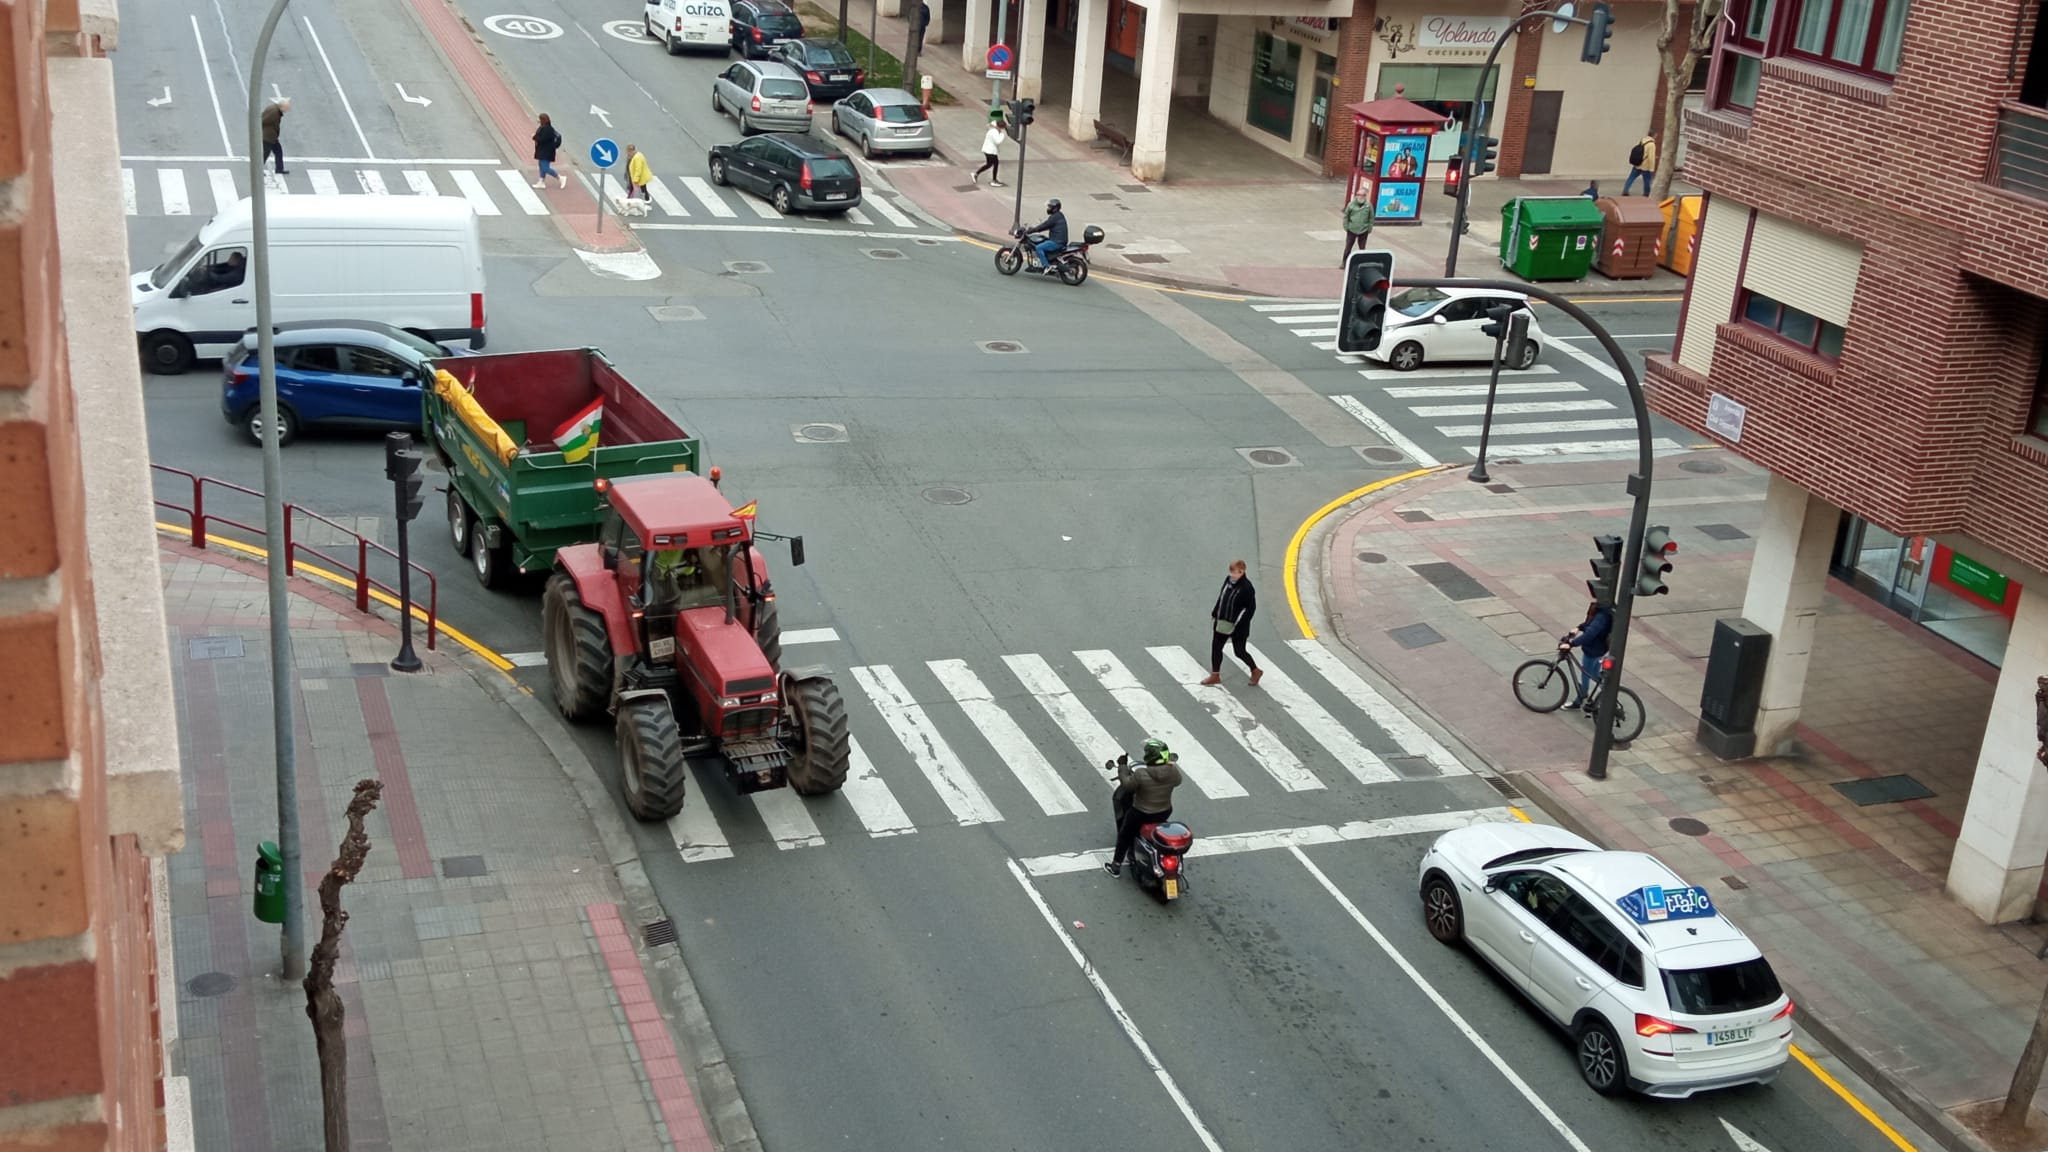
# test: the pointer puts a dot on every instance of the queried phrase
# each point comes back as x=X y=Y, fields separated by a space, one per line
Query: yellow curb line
x=986 y=246
x=389 y=601
x=1291 y=570
x=1624 y=300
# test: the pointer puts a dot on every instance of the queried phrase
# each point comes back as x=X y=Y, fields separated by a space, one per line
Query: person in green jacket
x=1358 y=217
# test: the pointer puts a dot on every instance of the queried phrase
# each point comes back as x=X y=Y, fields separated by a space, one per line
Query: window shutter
x=1714 y=270
x=1803 y=268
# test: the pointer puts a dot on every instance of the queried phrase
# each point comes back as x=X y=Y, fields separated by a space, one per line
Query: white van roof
x=360 y=211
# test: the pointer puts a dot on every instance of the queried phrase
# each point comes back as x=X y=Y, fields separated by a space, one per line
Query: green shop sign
x=1971 y=576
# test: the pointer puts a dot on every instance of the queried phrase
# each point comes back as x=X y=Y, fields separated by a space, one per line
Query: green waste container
x=269 y=883
x=1549 y=237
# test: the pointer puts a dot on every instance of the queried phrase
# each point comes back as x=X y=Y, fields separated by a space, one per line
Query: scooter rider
x=1055 y=228
x=1144 y=795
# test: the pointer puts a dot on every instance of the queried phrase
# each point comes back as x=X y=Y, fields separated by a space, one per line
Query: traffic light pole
x=1500 y=343
x=402 y=466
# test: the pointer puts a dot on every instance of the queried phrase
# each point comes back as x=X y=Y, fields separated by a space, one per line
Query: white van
x=413 y=262
x=690 y=25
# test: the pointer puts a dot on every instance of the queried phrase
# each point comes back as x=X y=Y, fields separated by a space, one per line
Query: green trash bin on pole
x=1549 y=237
x=269 y=883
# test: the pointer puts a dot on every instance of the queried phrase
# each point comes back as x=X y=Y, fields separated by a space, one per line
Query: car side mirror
x=1441 y=318
x=410 y=381
x=796 y=552
x=1490 y=887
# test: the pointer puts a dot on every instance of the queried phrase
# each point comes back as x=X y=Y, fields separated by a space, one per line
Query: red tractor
x=669 y=623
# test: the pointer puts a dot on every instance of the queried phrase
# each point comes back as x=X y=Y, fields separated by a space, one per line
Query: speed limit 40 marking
x=523 y=27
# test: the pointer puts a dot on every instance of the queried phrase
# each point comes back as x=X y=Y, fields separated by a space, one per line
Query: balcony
x=2021 y=162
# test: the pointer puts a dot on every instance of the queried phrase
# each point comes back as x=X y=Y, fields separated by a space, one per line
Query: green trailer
x=514 y=496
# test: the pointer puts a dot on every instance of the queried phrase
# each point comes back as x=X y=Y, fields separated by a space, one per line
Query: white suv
x=1659 y=991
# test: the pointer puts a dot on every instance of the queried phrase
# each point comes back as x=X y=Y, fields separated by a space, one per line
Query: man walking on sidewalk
x=1358 y=218
x=1231 y=619
x=991 y=159
x=273 y=123
x=1642 y=161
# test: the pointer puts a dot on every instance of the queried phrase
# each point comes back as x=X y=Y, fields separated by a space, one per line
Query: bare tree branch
x=323 y=1005
x=1678 y=69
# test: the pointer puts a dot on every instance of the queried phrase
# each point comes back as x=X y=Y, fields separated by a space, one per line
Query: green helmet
x=1156 y=752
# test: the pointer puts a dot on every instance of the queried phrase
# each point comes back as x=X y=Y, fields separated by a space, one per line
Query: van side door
x=214 y=297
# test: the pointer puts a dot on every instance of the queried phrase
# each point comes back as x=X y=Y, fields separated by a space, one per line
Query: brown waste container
x=1630 y=230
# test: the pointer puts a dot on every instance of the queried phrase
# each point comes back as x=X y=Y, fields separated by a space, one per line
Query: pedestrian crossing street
x=181 y=190
x=1026 y=737
x=1538 y=411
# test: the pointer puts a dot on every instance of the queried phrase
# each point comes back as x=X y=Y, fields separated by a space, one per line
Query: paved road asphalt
x=914 y=990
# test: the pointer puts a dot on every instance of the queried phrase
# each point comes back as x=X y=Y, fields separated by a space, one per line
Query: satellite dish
x=1563 y=13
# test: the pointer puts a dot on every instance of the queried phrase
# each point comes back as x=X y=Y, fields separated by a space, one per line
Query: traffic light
x=402 y=468
x=1495 y=316
x=1518 y=339
x=1485 y=155
x=1658 y=547
x=1022 y=111
x=1606 y=566
x=1599 y=30
x=1453 y=168
x=1368 y=281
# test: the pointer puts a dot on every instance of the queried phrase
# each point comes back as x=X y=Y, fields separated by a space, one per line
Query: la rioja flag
x=578 y=435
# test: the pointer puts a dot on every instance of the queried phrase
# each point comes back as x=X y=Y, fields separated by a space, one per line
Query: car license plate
x=1731 y=1036
x=838 y=77
x=662 y=649
x=835 y=195
x=693 y=35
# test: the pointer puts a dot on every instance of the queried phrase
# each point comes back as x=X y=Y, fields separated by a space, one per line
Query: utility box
x=269 y=883
x=1549 y=237
x=1734 y=688
x=1681 y=232
x=1630 y=237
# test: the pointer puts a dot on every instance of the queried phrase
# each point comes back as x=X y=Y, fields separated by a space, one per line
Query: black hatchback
x=795 y=172
x=759 y=25
x=826 y=66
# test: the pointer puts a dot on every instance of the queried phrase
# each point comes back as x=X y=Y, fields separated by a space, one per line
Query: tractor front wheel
x=819 y=752
x=578 y=650
x=652 y=768
x=768 y=633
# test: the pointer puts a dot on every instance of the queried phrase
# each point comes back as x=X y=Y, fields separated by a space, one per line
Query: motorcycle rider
x=1055 y=228
x=1144 y=795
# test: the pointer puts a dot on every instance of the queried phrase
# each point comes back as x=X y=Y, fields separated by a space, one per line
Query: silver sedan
x=763 y=96
x=883 y=120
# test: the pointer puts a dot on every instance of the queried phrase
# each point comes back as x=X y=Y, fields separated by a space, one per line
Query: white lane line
x=1544 y=1110
x=809 y=636
x=695 y=830
x=273 y=183
x=372 y=182
x=232 y=158
x=762 y=208
x=225 y=194
x=1596 y=363
x=171 y=182
x=525 y=659
x=1195 y=762
x=522 y=192
x=871 y=799
x=789 y=822
x=338 y=90
x=1088 y=735
x=1506 y=388
x=1019 y=754
x=1519 y=408
x=794 y=230
x=1575 y=448
x=1428 y=373
x=420 y=183
x=859 y=217
x=323 y=182
x=890 y=212
x=1238 y=722
x=1362 y=762
x=227 y=145
x=1060 y=863
x=1300 y=306
x=1307 y=318
x=1541 y=428
x=934 y=757
x=1116 y=1009
x=1315 y=332
x=708 y=196
x=473 y=191
x=665 y=198
x=1372 y=420
x=128 y=190
x=1353 y=358
x=1391 y=720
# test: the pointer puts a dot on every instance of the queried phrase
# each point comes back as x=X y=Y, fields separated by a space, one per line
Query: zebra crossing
x=180 y=190
x=1025 y=738
x=1538 y=411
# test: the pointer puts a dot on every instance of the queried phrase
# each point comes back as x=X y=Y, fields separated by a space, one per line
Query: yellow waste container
x=1681 y=238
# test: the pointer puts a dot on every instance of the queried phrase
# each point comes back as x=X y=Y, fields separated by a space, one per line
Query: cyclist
x=1590 y=638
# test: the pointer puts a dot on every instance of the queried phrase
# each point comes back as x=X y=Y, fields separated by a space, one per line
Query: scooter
x=1070 y=264
x=1158 y=854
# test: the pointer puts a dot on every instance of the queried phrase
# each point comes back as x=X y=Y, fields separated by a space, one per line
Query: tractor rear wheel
x=768 y=633
x=819 y=751
x=579 y=653
x=652 y=768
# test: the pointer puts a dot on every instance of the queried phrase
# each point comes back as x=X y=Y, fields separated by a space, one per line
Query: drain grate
x=662 y=931
x=1002 y=347
x=1723 y=532
x=1736 y=882
x=1102 y=195
x=1269 y=457
x=884 y=253
x=1378 y=454
x=674 y=313
x=1504 y=786
x=928 y=241
x=1415 y=635
x=210 y=984
x=947 y=495
x=1454 y=582
x=213 y=648
x=747 y=267
x=1414 y=515
x=1502 y=489
x=1135 y=187
x=1883 y=790
x=1703 y=467
x=1143 y=257
x=455 y=867
x=818 y=432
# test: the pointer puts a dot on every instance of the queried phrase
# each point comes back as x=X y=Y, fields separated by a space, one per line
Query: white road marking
x=171 y=182
x=871 y=799
x=695 y=830
x=1238 y=722
x=231 y=158
x=1088 y=735
x=323 y=182
x=522 y=192
x=1427 y=373
x=128 y=190
x=708 y=196
x=525 y=659
x=791 y=230
x=1519 y=408
x=809 y=636
x=1022 y=757
x=1372 y=420
x=890 y=212
x=473 y=191
x=762 y=208
x=1299 y=306
x=1744 y=1142
x=1315 y=331
x=1306 y=317
x=1544 y=1110
x=1391 y=720
x=1506 y=388
x=1059 y=863
x=1362 y=762
x=934 y=757
x=273 y=183
x=225 y=194
x=420 y=183
x=1596 y=363
x=1541 y=428
x=789 y=822
x=1195 y=762
x=665 y=198
x=372 y=182
x=227 y=145
x=1580 y=448
x=859 y=217
x=338 y=89
x=1116 y=1009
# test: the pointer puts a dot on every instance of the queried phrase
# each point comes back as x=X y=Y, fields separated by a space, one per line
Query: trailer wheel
x=489 y=563
x=652 y=768
x=459 y=522
x=818 y=740
x=768 y=633
x=579 y=653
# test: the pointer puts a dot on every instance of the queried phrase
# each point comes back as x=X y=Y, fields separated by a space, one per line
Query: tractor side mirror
x=611 y=560
x=796 y=551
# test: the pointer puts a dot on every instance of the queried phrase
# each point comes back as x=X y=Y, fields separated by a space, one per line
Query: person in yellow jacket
x=638 y=174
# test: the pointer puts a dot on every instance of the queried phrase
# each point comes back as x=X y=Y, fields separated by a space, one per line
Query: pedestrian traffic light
x=1599 y=30
x=402 y=468
x=1485 y=155
x=1453 y=168
x=1658 y=548
x=1368 y=282
x=1606 y=566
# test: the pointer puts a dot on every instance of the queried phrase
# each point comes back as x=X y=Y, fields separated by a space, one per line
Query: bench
x=1115 y=137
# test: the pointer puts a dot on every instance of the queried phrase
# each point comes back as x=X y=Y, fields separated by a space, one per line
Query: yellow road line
x=1849 y=1098
x=986 y=246
x=446 y=629
x=1292 y=568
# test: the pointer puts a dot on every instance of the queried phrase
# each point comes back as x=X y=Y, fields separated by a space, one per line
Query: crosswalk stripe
x=871 y=799
x=859 y=217
x=762 y=208
x=890 y=212
x=1371 y=419
x=128 y=190
x=1428 y=373
x=323 y=182
x=789 y=822
x=1315 y=332
x=1298 y=306
x=1306 y=318
x=1195 y=762
x=522 y=192
x=1520 y=408
x=274 y=185
x=171 y=182
x=1237 y=720
x=1576 y=448
x=665 y=198
x=708 y=197
x=372 y=182
x=934 y=757
x=1381 y=711
x=420 y=183
x=1327 y=730
x=1022 y=757
x=1542 y=428
x=1088 y=735
x=695 y=830
x=1506 y=388
x=473 y=191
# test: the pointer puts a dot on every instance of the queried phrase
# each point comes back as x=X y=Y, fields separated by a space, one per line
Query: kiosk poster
x=1403 y=160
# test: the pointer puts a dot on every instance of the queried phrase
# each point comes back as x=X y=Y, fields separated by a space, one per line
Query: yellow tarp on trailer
x=457 y=397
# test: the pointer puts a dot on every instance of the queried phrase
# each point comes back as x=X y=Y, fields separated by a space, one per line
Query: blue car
x=339 y=373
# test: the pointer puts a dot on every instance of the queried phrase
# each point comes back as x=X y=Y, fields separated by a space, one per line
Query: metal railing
x=357 y=574
x=2020 y=163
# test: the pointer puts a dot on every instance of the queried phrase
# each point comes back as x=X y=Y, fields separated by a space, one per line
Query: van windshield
x=161 y=278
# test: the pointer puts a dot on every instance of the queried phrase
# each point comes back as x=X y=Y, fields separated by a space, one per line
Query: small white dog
x=630 y=205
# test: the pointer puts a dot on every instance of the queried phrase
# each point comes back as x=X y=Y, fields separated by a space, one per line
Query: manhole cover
x=1415 y=635
x=1373 y=557
x=928 y=241
x=1269 y=457
x=819 y=433
x=1143 y=257
x=746 y=267
x=1414 y=515
x=1883 y=790
x=213 y=648
x=1451 y=580
x=1003 y=347
x=1688 y=826
x=672 y=313
x=1736 y=882
x=456 y=867
x=1380 y=455
x=966 y=187
x=1703 y=467
x=884 y=254
x=210 y=984
x=1502 y=489
x=1103 y=195
x=1723 y=532
x=1135 y=187
x=947 y=495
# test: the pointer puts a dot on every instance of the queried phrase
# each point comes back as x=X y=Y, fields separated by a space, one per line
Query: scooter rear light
x=1647 y=1025
x=1170 y=863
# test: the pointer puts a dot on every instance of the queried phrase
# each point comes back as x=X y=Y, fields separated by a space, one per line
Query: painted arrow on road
x=276 y=93
x=160 y=101
x=422 y=101
x=601 y=114
x=1743 y=1142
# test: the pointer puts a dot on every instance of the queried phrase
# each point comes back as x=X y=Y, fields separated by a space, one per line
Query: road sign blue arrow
x=604 y=153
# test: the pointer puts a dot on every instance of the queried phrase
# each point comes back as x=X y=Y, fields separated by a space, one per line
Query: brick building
x=89 y=792
x=1866 y=319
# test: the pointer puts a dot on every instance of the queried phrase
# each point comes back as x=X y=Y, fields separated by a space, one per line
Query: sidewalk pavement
x=1231 y=215
x=499 y=991
x=1444 y=586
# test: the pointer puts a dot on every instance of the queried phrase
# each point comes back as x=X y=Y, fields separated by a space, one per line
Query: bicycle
x=1543 y=685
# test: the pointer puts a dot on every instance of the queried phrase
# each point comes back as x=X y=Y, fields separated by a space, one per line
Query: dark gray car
x=883 y=120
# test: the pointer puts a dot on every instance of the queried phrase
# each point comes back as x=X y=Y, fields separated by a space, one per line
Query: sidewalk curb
x=1930 y=1117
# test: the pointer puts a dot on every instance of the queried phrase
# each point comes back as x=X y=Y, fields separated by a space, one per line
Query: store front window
x=1445 y=89
x=1950 y=594
x=1275 y=65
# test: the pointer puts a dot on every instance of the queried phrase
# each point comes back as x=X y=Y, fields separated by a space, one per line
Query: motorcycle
x=1070 y=264
x=1158 y=855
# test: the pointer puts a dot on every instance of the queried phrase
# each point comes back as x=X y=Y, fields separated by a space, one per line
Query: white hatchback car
x=1430 y=324
x=1659 y=992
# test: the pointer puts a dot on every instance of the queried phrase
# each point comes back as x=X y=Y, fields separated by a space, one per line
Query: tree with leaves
x=323 y=1004
x=1680 y=58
